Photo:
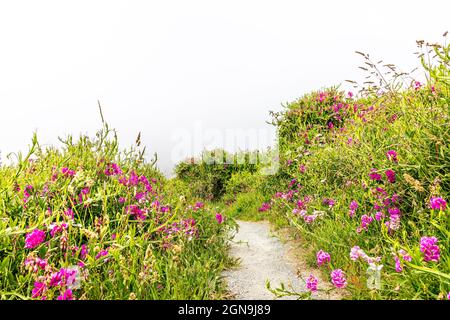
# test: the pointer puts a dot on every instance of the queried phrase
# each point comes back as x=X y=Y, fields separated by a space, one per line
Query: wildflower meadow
x=363 y=181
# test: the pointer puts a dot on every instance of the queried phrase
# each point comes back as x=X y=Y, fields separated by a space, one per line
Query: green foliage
x=208 y=175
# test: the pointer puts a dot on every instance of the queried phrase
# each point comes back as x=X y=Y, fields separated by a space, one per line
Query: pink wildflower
x=302 y=168
x=338 y=278
x=113 y=169
x=330 y=202
x=309 y=218
x=379 y=215
x=365 y=222
x=67 y=172
x=392 y=155
x=84 y=251
x=417 y=85
x=69 y=213
x=102 y=253
x=67 y=295
x=390 y=174
x=219 y=218
x=264 y=207
x=322 y=257
x=430 y=249
x=438 y=203
x=356 y=252
x=34 y=264
x=405 y=255
x=55 y=229
x=311 y=283
x=35 y=238
x=374 y=175
x=398 y=266
x=39 y=289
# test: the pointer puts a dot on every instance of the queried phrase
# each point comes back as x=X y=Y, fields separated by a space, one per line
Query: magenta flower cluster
x=338 y=278
x=264 y=207
x=352 y=208
x=35 y=238
x=322 y=257
x=392 y=156
x=311 y=283
x=438 y=203
x=430 y=249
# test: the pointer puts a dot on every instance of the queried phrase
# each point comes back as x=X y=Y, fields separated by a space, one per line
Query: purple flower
x=34 y=264
x=302 y=168
x=353 y=205
x=293 y=181
x=356 y=252
x=64 y=277
x=198 y=205
x=264 y=207
x=365 y=222
x=417 y=85
x=55 y=229
x=398 y=266
x=134 y=179
x=394 y=211
x=437 y=203
x=322 y=257
x=219 y=218
x=390 y=174
x=84 y=251
x=38 y=290
x=35 y=238
x=405 y=255
x=112 y=170
x=68 y=172
x=328 y=201
x=338 y=278
x=392 y=155
x=374 y=175
x=431 y=251
x=67 y=295
x=139 y=196
x=309 y=218
x=311 y=283
x=69 y=213
x=395 y=198
x=379 y=215
x=102 y=253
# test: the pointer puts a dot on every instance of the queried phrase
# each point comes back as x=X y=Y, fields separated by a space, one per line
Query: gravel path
x=262 y=257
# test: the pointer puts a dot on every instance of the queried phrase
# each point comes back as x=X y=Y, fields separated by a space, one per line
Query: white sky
x=163 y=66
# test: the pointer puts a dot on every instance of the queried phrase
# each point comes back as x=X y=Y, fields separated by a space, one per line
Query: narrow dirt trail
x=262 y=257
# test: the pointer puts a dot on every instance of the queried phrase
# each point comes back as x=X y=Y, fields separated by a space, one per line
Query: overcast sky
x=165 y=67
